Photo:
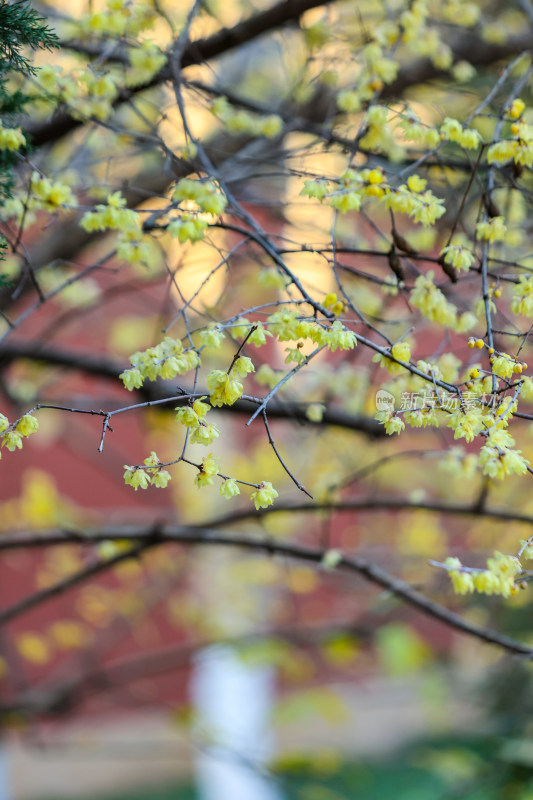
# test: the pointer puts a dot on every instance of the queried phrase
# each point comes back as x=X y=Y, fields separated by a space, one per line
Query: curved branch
x=188 y=534
x=352 y=564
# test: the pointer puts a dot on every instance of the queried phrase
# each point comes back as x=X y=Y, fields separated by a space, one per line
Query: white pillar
x=233 y=701
x=5 y=782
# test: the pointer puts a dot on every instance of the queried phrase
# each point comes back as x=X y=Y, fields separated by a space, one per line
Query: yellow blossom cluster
x=145 y=61
x=391 y=421
x=205 y=194
x=193 y=417
x=11 y=138
x=254 y=333
x=13 y=433
x=94 y=94
x=224 y=387
x=245 y=123
x=49 y=195
x=422 y=418
x=504 y=366
x=467 y=424
x=209 y=468
x=434 y=306
x=401 y=351
x=498 y=578
x=410 y=198
x=520 y=147
x=133 y=245
x=422 y=39
x=264 y=496
x=522 y=300
x=212 y=336
x=340 y=338
x=452 y=131
x=120 y=18
x=498 y=459
x=188 y=228
x=413 y=130
x=332 y=302
x=378 y=65
x=87 y=92
x=111 y=216
x=461 y=13
x=165 y=360
x=412 y=26
x=287 y=325
x=152 y=475
x=492 y=230
x=379 y=136
x=458 y=255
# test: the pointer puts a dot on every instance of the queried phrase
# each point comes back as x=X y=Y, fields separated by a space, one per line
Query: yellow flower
x=11 y=138
x=492 y=230
x=243 y=366
x=401 y=351
x=501 y=152
x=458 y=256
x=259 y=336
x=200 y=407
x=264 y=496
x=340 y=338
x=12 y=440
x=204 y=434
x=487 y=582
x=522 y=300
x=137 y=478
x=212 y=336
x=422 y=418
x=284 y=325
x=208 y=470
x=161 y=479
x=516 y=108
x=187 y=416
x=224 y=390
x=462 y=582
x=432 y=303
x=188 y=228
x=27 y=425
x=349 y=101
x=498 y=462
x=416 y=183
x=392 y=424
x=453 y=131
x=131 y=378
x=229 y=488
x=466 y=425
x=503 y=366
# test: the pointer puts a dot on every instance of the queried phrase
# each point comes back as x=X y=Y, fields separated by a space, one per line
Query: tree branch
x=352 y=564
x=108 y=369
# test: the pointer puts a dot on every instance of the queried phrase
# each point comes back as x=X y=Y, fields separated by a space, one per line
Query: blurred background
x=209 y=672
